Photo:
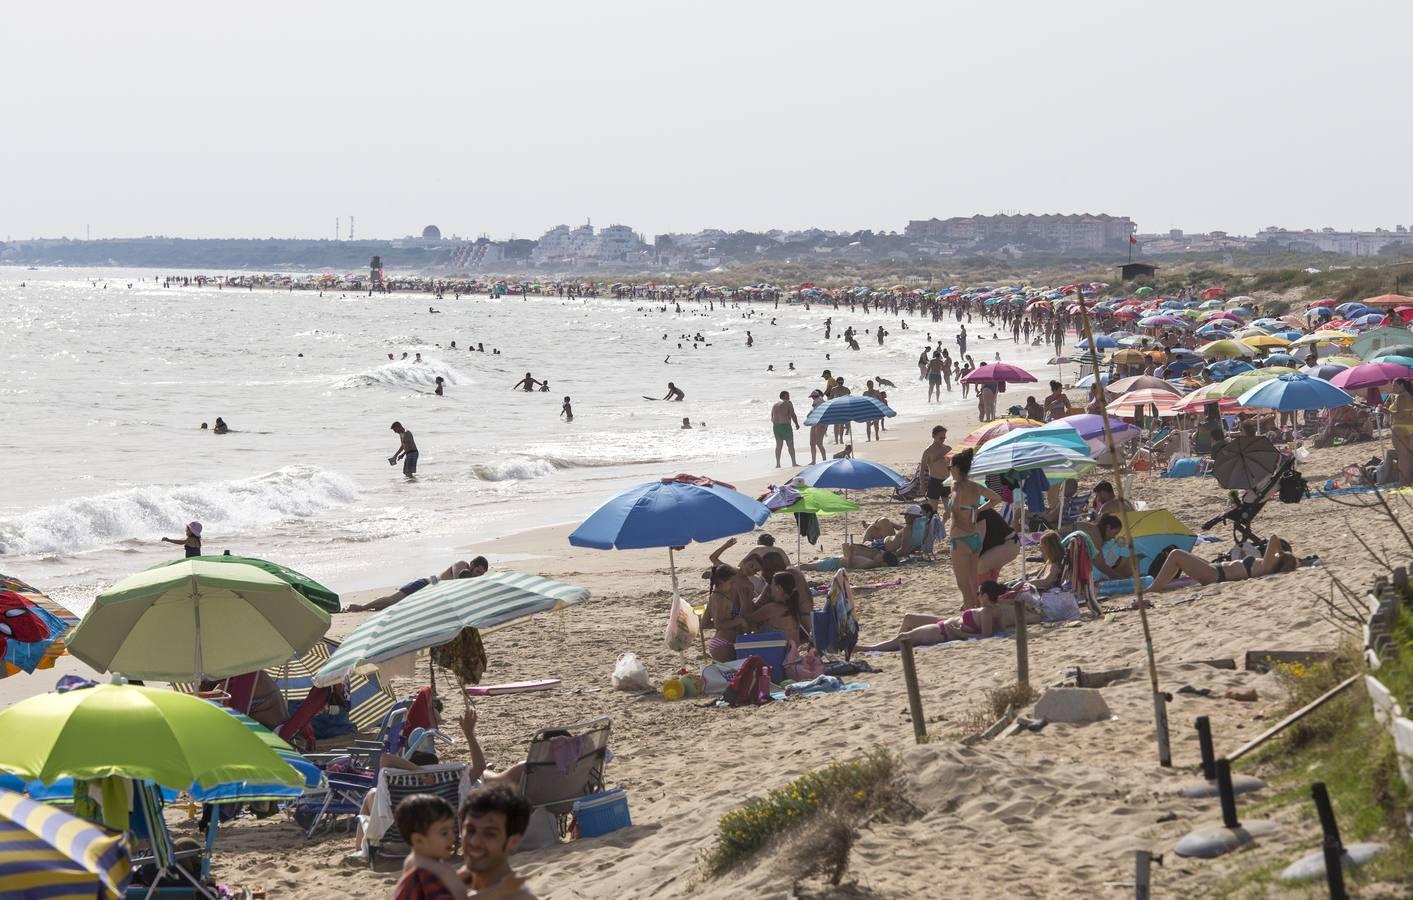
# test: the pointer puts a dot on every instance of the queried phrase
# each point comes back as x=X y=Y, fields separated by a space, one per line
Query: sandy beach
x=1053 y=813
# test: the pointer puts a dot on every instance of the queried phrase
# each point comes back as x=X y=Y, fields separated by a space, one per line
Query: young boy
x=428 y=823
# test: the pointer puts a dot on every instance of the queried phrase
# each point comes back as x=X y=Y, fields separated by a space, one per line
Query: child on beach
x=428 y=823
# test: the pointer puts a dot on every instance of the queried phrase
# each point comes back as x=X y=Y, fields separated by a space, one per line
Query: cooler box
x=769 y=646
x=601 y=813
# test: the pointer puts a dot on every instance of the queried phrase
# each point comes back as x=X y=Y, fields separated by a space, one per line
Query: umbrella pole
x=1160 y=716
x=196 y=611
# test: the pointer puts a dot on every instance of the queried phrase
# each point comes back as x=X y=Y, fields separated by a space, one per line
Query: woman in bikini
x=1402 y=409
x=780 y=609
x=723 y=611
x=967 y=499
x=1277 y=558
x=922 y=630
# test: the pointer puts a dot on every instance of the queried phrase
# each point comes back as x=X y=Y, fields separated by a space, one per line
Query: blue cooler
x=769 y=646
x=601 y=813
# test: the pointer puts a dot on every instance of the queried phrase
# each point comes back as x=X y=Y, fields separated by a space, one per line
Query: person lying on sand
x=900 y=538
x=856 y=556
x=459 y=569
x=922 y=630
x=1277 y=558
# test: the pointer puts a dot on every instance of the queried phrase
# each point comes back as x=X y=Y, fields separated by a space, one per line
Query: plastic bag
x=630 y=674
x=681 y=626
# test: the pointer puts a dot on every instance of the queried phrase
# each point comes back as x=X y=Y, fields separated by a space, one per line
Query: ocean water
x=108 y=376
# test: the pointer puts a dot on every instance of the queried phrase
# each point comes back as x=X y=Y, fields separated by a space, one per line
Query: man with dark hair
x=406 y=450
x=1106 y=501
x=782 y=417
x=1105 y=530
x=932 y=470
x=493 y=820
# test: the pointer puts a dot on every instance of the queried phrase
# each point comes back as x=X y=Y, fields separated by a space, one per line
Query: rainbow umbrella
x=1144 y=400
x=992 y=430
x=48 y=853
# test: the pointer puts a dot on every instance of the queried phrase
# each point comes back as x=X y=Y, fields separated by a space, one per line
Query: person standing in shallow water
x=192 y=540
x=406 y=451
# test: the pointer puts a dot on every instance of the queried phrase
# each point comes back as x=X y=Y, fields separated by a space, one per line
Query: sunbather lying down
x=923 y=630
x=1277 y=558
x=856 y=556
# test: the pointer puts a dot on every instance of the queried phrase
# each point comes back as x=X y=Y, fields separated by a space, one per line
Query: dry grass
x=993 y=707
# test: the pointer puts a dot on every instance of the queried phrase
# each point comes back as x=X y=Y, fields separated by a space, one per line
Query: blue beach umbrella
x=1221 y=371
x=1288 y=393
x=849 y=408
x=1055 y=461
x=1282 y=359
x=670 y=513
x=1058 y=435
x=1088 y=380
x=1101 y=342
x=853 y=474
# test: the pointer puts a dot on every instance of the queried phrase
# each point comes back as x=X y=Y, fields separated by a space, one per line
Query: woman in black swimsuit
x=1277 y=558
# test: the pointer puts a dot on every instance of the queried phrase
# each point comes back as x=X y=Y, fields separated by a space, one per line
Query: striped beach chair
x=46 y=852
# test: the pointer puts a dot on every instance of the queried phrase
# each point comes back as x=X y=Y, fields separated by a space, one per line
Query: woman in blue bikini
x=967 y=499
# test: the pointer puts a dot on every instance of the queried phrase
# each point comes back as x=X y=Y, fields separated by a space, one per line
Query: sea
x=108 y=377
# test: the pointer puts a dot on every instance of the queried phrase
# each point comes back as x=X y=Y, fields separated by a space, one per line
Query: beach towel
x=1082 y=551
x=837 y=628
x=464 y=655
x=421 y=714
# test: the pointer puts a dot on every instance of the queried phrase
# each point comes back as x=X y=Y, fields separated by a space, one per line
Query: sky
x=264 y=119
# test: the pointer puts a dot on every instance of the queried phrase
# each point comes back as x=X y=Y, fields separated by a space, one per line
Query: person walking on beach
x=817 y=431
x=782 y=417
x=932 y=470
x=192 y=539
x=406 y=451
x=934 y=378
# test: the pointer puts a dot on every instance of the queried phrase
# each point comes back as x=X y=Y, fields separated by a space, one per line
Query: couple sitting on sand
x=763 y=593
x=459 y=569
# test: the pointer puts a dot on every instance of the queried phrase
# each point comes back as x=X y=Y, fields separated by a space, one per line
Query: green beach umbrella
x=437 y=614
x=307 y=587
x=170 y=738
x=1370 y=342
x=194 y=618
x=820 y=502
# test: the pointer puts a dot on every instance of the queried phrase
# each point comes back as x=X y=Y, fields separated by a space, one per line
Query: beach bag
x=681 y=626
x=804 y=666
x=717 y=676
x=630 y=674
x=751 y=684
x=1059 y=605
x=1292 y=487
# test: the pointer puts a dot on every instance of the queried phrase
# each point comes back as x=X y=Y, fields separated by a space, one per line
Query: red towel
x=420 y=714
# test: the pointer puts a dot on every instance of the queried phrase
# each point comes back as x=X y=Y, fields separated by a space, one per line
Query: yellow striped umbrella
x=46 y=852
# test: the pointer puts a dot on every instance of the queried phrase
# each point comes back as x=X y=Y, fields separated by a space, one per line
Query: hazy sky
x=259 y=119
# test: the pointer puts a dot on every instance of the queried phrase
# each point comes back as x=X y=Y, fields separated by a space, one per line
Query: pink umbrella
x=1140 y=400
x=1370 y=375
x=999 y=372
x=1328 y=301
x=1220 y=314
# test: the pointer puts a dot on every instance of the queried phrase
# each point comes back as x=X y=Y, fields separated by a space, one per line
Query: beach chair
x=448 y=781
x=297 y=724
x=168 y=870
x=364 y=753
x=1159 y=447
x=564 y=765
x=1081 y=568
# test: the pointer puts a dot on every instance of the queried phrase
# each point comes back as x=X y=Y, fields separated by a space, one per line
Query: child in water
x=567 y=411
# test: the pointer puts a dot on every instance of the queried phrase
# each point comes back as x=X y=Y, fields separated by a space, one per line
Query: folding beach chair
x=448 y=781
x=168 y=871
x=564 y=765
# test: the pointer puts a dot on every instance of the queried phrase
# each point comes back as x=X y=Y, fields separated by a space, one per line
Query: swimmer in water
x=544 y=387
x=528 y=383
x=390 y=356
x=674 y=392
x=686 y=423
x=438 y=391
x=204 y=426
x=418 y=359
x=221 y=427
x=567 y=411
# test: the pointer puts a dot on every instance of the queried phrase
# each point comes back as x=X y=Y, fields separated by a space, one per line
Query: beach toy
x=673 y=689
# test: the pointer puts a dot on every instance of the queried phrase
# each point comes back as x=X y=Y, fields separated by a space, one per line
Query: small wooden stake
x=914 y=696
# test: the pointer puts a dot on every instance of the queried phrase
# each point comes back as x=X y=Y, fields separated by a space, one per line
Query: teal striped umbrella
x=437 y=614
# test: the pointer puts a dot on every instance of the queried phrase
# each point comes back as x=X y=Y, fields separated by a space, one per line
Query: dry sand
x=1047 y=814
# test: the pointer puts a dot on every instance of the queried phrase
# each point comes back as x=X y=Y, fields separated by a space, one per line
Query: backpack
x=1292 y=488
x=751 y=684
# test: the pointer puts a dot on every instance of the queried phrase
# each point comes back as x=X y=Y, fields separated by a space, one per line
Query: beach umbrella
x=305 y=586
x=437 y=614
x=1324 y=370
x=1056 y=435
x=1129 y=357
x=1144 y=400
x=1368 y=320
x=1282 y=359
x=998 y=372
x=1391 y=350
x=820 y=502
x=167 y=737
x=992 y=430
x=1262 y=341
x=1197 y=400
x=1246 y=463
x=1288 y=393
x=258 y=792
x=369 y=698
x=1376 y=339
x=1370 y=375
x=1239 y=384
x=196 y=618
x=1154 y=531
x=1101 y=342
x=1141 y=382
x=1023 y=456
x=1323 y=337
x=1087 y=380
x=1225 y=349
x=1341 y=359
x=847 y=409
x=671 y=512
x=1394 y=359
x=32 y=628
x=1388 y=300
x=48 y=853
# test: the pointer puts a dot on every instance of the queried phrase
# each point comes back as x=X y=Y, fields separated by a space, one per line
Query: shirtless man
x=406 y=451
x=933 y=469
x=871 y=429
x=528 y=383
x=674 y=393
x=1106 y=529
x=934 y=378
x=782 y=417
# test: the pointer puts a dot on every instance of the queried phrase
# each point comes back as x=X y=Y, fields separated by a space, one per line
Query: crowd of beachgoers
x=371 y=726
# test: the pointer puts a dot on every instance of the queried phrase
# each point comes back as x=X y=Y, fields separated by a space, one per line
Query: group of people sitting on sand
x=763 y=592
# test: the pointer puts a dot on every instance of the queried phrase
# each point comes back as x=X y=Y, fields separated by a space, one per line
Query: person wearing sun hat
x=192 y=540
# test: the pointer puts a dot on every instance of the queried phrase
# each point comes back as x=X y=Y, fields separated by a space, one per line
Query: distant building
x=1348 y=243
x=1085 y=232
x=431 y=233
x=565 y=245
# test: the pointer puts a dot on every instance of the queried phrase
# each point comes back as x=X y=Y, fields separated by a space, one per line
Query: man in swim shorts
x=932 y=470
x=782 y=417
x=406 y=451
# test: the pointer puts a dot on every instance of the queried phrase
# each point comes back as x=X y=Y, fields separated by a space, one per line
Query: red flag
x=1132 y=239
